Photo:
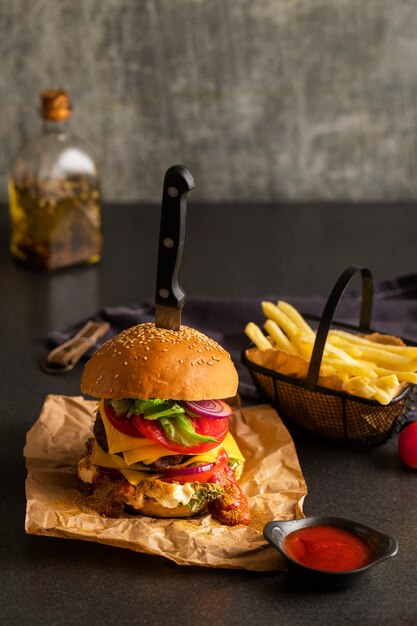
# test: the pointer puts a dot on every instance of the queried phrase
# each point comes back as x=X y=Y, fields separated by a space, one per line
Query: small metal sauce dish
x=382 y=546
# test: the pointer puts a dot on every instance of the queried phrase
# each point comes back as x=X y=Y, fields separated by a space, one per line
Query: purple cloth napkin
x=394 y=312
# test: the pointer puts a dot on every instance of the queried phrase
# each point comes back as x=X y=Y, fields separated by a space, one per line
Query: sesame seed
x=145 y=358
x=124 y=362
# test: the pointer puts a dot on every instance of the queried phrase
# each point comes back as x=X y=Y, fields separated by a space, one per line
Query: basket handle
x=329 y=311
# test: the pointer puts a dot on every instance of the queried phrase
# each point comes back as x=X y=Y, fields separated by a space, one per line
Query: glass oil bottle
x=54 y=192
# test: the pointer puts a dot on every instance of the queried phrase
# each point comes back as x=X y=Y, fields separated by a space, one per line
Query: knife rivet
x=173 y=192
x=164 y=293
x=168 y=243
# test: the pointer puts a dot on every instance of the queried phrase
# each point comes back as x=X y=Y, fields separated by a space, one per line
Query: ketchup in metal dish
x=328 y=548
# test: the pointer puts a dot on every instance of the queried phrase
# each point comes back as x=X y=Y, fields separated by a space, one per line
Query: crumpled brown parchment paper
x=272 y=481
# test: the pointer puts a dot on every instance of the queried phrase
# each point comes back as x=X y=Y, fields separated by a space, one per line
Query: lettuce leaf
x=150 y=409
x=169 y=414
x=179 y=428
x=156 y=408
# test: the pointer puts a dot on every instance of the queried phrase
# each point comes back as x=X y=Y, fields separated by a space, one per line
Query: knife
x=169 y=296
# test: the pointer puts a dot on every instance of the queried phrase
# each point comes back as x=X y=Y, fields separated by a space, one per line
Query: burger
x=162 y=445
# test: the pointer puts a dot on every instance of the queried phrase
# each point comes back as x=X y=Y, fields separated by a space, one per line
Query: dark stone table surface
x=231 y=251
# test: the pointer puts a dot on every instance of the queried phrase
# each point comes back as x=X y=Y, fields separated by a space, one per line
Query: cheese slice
x=146 y=454
x=135 y=477
x=152 y=453
x=117 y=441
x=231 y=447
x=112 y=461
x=206 y=457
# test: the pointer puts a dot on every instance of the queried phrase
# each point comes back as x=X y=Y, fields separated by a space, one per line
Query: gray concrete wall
x=262 y=99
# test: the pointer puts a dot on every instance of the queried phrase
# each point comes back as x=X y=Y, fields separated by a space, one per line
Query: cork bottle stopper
x=55 y=105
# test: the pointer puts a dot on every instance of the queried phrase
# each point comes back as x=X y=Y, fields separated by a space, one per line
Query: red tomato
x=407 y=445
x=216 y=428
x=122 y=424
x=208 y=476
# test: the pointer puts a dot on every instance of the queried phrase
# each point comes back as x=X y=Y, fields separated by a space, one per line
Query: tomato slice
x=209 y=476
x=217 y=428
x=122 y=424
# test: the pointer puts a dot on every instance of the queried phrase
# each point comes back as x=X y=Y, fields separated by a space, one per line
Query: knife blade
x=169 y=295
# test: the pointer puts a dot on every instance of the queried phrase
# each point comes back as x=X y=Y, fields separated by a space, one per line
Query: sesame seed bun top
x=148 y=362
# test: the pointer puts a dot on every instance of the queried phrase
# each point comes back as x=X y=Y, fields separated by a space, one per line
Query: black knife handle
x=177 y=183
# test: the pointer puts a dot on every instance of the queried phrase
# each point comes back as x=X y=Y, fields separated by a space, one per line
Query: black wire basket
x=326 y=412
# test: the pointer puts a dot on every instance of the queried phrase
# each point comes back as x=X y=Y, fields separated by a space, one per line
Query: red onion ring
x=183 y=471
x=209 y=408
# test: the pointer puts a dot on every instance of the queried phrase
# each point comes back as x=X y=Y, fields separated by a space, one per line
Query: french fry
x=363 y=391
x=403 y=377
x=353 y=351
x=342 y=337
x=340 y=354
x=280 y=340
x=384 y=396
x=274 y=313
x=384 y=358
x=257 y=337
x=296 y=318
x=352 y=368
x=304 y=345
x=355 y=383
x=386 y=382
x=360 y=387
x=327 y=370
